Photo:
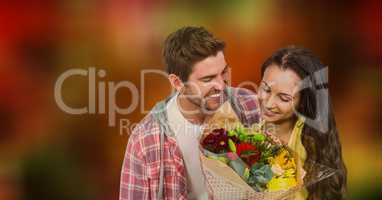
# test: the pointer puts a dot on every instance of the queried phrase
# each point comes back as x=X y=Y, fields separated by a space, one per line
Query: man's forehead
x=210 y=65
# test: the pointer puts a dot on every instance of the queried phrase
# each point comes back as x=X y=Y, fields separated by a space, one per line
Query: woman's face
x=278 y=94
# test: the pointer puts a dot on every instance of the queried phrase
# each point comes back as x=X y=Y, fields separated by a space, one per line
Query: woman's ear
x=175 y=81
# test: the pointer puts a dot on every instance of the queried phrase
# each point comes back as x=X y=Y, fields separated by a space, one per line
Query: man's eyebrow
x=213 y=75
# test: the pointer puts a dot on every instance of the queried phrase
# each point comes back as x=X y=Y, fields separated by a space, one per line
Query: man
x=162 y=155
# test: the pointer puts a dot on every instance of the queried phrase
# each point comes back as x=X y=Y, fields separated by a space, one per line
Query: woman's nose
x=269 y=102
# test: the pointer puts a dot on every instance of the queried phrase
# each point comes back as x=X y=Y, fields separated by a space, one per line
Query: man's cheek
x=203 y=93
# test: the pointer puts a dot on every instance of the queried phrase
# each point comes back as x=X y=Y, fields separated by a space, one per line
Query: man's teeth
x=215 y=95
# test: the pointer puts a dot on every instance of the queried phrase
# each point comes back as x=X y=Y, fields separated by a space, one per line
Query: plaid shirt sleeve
x=134 y=180
x=249 y=105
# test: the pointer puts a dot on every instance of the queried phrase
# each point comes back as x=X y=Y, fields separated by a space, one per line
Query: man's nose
x=220 y=83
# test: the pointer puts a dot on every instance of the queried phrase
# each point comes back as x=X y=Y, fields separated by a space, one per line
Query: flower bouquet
x=244 y=163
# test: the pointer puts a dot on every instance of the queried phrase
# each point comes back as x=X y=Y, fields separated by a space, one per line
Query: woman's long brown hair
x=322 y=145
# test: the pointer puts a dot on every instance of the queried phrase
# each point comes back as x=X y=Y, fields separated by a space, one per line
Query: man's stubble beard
x=200 y=102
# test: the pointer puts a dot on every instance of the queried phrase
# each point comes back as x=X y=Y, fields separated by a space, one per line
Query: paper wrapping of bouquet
x=225 y=184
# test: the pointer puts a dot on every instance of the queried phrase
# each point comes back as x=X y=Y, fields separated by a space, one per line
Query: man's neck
x=190 y=111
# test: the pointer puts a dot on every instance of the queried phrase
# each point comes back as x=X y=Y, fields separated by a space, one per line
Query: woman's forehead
x=282 y=80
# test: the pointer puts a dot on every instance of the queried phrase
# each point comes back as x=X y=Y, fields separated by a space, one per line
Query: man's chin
x=211 y=107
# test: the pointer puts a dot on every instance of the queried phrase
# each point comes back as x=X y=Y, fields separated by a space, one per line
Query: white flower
x=276 y=169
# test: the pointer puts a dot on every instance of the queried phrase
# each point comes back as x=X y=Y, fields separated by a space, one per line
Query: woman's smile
x=269 y=113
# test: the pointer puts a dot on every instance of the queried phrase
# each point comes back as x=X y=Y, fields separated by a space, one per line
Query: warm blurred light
x=43 y=148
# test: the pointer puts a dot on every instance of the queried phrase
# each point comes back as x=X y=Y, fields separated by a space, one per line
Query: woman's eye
x=284 y=99
x=265 y=89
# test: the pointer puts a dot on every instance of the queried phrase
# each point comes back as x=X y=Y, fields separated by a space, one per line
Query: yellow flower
x=289 y=173
x=285 y=177
x=281 y=183
x=283 y=159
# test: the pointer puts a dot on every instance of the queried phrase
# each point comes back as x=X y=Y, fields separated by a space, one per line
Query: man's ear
x=175 y=81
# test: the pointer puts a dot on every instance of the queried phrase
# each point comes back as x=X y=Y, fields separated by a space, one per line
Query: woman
x=294 y=101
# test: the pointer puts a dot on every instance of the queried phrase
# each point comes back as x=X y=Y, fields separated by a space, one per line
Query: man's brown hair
x=187 y=46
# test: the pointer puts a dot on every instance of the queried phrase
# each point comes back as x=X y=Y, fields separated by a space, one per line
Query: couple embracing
x=162 y=158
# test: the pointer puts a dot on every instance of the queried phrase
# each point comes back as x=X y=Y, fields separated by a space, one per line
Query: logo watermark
x=102 y=96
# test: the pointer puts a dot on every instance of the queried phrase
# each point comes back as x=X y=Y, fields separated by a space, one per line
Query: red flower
x=248 y=153
x=216 y=141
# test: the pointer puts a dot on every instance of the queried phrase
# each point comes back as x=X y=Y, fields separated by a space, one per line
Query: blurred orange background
x=46 y=153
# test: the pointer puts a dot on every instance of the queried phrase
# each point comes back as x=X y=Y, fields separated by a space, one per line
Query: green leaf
x=231 y=133
x=259 y=137
x=231 y=145
x=247 y=153
x=261 y=173
x=246 y=173
x=242 y=137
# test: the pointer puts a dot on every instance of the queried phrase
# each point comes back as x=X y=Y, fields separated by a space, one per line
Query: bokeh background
x=46 y=153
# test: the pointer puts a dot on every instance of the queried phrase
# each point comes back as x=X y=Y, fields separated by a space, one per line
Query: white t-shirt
x=186 y=135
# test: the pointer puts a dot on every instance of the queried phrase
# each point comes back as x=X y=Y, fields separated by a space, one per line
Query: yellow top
x=296 y=145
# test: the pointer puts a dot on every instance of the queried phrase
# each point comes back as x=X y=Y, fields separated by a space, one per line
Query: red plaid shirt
x=141 y=166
